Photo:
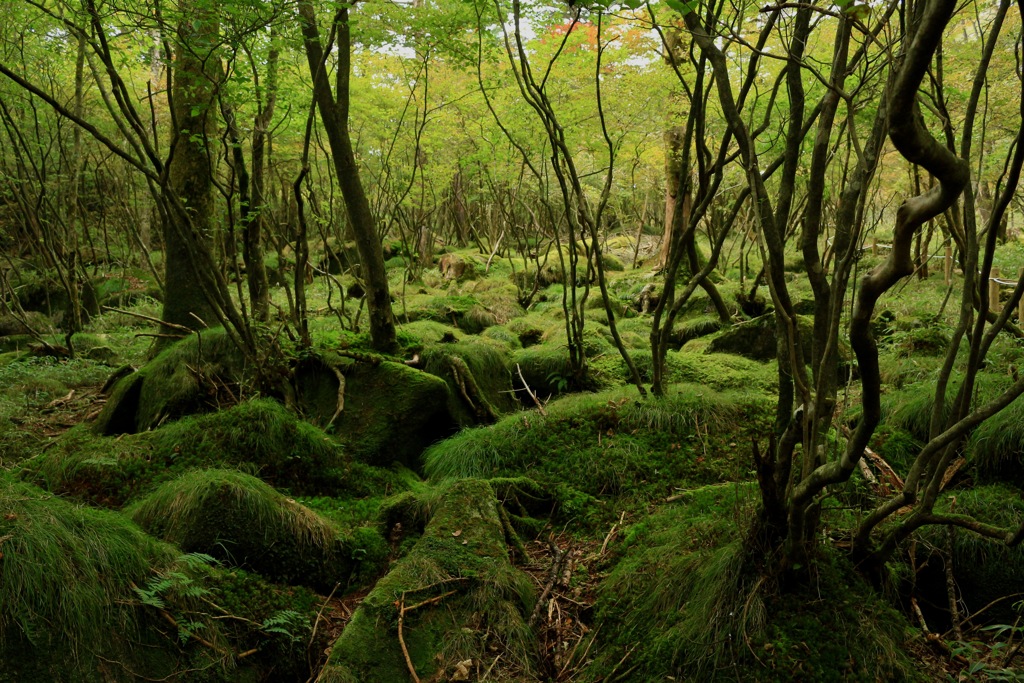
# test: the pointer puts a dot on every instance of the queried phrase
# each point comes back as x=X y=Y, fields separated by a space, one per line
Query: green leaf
x=684 y=7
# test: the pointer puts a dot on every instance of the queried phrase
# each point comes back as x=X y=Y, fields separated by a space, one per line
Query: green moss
x=996 y=447
x=472 y=602
x=488 y=385
x=547 y=371
x=66 y=585
x=243 y=522
x=612 y=445
x=986 y=570
x=463 y=311
x=260 y=435
x=898 y=447
x=611 y=262
x=722 y=371
x=500 y=333
x=429 y=332
x=184 y=379
x=392 y=413
x=694 y=328
x=685 y=600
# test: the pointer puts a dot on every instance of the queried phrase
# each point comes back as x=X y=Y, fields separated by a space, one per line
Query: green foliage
x=687 y=598
x=67 y=571
x=261 y=435
x=611 y=445
x=476 y=601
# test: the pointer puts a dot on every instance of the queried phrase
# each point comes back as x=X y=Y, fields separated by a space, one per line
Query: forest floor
x=602 y=540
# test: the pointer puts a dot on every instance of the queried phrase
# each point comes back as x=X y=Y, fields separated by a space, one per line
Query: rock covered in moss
x=757 y=339
x=463 y=599
x=478 y=377
x=392 y=412
x=261 y=434
x=243 y=522
x=187 y=378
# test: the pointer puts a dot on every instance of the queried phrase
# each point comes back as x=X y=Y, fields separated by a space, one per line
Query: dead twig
x=529 y=392
x=490 y=668
x=611 y=674
x=402 y=611
x=316 y=624
x=158 y=321
x=557 y=558
x=498 y=244
x=611 y=533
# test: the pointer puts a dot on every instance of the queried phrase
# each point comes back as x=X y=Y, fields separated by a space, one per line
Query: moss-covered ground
x=471 y=508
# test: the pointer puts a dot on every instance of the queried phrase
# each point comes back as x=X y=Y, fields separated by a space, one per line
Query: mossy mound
x=478 y=377
x=996 y=447
x=424 y=332
x=722 y=371
x=694 y=328
x=463 y=599
x=463 y=311
x=613 y=445
x=910 y=409
x=21 y=325
x=67 y=570
x=86 y=596
x=195 y=375
x=548 y=274
x=392 y=412
x=986 y=570
x=66 y=598
x=547 y=371
x=261 y=435
x=686 y=604
x=243 y=522
x=757 y=339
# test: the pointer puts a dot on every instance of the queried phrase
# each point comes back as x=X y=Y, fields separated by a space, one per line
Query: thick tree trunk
x=190 y=175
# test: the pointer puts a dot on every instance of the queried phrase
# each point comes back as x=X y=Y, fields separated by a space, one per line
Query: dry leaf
x=462 y=670
x=457 y=533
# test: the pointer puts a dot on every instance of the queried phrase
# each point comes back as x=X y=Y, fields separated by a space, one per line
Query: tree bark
x=334 y=114
x=190 y=175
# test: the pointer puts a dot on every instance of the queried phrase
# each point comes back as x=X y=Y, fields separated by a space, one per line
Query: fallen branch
x=402 y=611
x=158 y=321
x=316 y=624
x=558 y=556
x=529 y=392
x=341 y=397
x=469 y=389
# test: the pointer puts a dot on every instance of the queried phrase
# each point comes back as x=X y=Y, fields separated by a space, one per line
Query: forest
x=497 y=340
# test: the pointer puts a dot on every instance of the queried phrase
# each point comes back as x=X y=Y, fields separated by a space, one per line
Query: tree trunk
x=255 y=223
x=193 y=93
x=334 y=114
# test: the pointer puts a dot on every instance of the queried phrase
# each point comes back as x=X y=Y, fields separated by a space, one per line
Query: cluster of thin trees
x=786 y=118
